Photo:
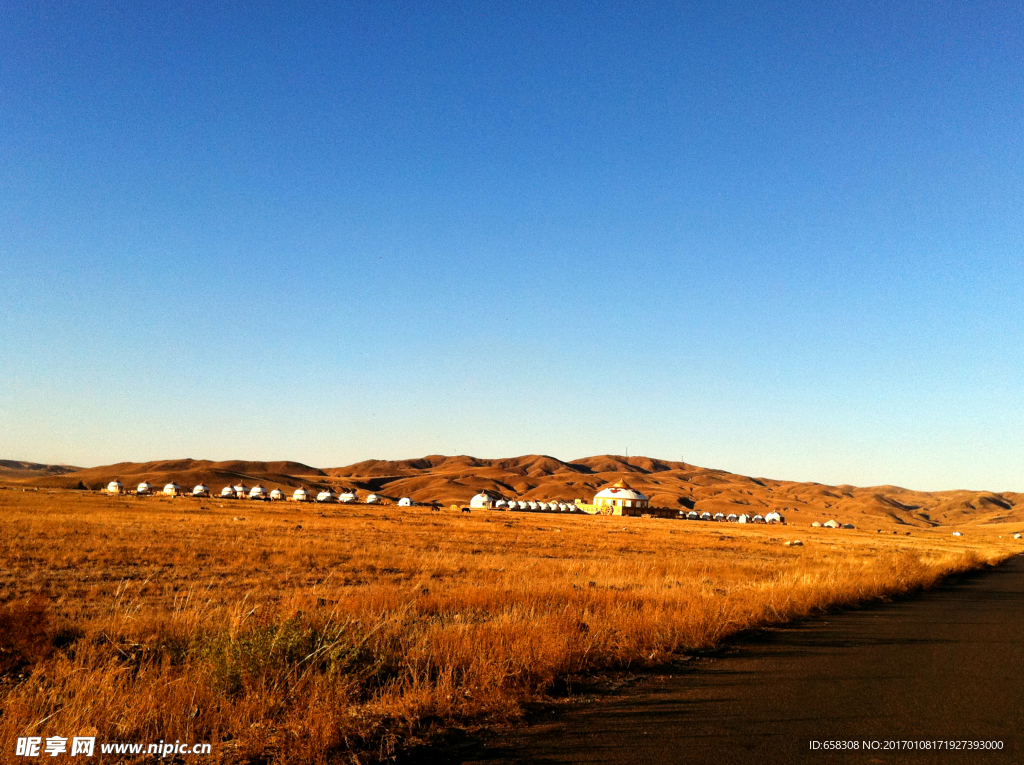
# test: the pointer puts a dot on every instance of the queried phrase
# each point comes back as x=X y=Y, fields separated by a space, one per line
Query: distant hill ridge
x=454 y=479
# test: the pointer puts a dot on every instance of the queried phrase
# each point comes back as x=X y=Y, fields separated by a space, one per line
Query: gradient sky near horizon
x=778 y=238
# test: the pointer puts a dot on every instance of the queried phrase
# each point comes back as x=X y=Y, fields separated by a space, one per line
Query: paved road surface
x=948 y=664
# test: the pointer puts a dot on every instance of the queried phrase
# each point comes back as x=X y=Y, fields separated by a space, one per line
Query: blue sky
x=782 y=239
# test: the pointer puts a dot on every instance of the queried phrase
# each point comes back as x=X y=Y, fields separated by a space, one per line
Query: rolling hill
x=454 y=479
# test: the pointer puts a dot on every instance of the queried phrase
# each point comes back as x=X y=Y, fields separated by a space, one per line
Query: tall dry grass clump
x=301 y=636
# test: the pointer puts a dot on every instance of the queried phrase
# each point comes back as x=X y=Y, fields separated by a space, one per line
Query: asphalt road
x=946 y=665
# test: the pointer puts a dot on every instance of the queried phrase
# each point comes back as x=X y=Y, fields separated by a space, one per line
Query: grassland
x=309 y=634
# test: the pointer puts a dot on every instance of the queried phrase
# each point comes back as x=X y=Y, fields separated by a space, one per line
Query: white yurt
x=744 y=518
x=276 y=495
x=482 y=501
x=115 y=487
x=831 y=524
x=719 y=516
x=144 y=488
x=227 y=492
x=955 y=533
x=620 y=495
x=257 y=492
x=326 y=496
x=705 y=516
x=693 y=515
x=732 y=518
x=300 y=495
x=172 y=489
x=533 y=505
x=757 y=518
x=349 y=495
x=543 y=506
x=773 y=517
x=816 y=525
x=241 y=490
x=1018 y=535
x=405 y=502
x=202 y=490
x=501 y=504
x=372 y=499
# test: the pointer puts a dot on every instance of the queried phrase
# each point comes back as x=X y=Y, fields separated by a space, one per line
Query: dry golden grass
x=309 y=634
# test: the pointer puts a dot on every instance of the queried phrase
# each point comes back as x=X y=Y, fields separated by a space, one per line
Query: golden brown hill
x=187 y=473
x=677 y=485
x=13 y=470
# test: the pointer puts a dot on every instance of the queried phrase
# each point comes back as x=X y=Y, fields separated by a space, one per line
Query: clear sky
x=778 y=238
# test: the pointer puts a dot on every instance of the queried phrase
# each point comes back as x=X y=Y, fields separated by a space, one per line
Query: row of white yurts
x=258 y=492
x=693 y=515
x=609 y=499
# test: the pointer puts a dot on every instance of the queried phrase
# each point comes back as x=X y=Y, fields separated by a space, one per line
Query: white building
x=241 y=490
x=300 y=495
x=257 y=492
x=773 y=517
x=276 y=495
x=372 y=499
x=144 y=488
x=172 y=489
x=405 y=502
x=228 y=492
x=115 y=487
x=618 y=496
x=348 y=496
x=202 y=490
x=326 y=496
x=482 y=501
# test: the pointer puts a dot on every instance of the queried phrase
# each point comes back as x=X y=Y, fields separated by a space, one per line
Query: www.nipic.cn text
x=85 y=746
